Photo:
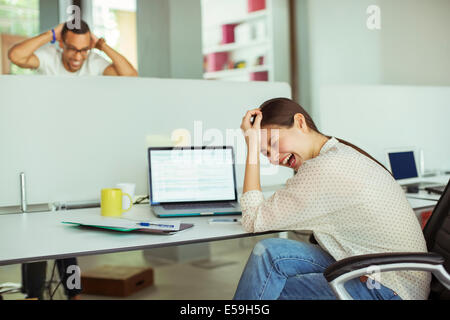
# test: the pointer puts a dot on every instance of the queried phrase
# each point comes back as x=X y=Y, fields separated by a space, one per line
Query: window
x=115 y=20
x=19 y=19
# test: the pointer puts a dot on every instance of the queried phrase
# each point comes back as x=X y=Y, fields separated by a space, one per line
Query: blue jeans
x=292 y=270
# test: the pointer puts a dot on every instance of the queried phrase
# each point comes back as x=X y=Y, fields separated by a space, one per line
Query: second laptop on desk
x=192 y=181
x=403 y=165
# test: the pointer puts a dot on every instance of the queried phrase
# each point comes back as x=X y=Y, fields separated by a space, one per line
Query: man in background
x=73 y=57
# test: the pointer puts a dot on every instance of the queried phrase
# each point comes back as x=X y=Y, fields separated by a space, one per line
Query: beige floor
x=190 y=280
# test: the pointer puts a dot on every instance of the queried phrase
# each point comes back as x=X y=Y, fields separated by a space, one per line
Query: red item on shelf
x=216 y=61
x=256 y=5
x=259 y=76
x=228 y=33
x=261 y=60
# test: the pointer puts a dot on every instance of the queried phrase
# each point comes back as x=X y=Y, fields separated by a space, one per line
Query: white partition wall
x=377 y=118
x=74 y=136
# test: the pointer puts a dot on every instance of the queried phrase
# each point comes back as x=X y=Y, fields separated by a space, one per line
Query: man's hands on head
x=58 y=32
x=22 y=54
x=94 y=40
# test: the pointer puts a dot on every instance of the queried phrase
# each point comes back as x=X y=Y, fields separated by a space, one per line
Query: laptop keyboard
x=185 y=206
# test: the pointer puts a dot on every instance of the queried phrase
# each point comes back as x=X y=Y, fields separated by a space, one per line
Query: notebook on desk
x=124 y=225
x=192 y=181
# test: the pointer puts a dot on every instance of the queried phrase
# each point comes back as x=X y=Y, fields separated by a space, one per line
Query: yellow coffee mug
x=111 y=202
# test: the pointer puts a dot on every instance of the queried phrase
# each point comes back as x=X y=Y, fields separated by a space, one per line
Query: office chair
x=437 y=261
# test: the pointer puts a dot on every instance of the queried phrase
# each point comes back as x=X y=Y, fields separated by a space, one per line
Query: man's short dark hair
x=72 y=26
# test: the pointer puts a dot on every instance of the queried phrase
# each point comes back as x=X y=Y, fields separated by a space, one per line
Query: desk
x=420 y=204
x=41 y=236
x=422 y=194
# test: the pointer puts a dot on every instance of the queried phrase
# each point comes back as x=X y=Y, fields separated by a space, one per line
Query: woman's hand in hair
x=251 y=127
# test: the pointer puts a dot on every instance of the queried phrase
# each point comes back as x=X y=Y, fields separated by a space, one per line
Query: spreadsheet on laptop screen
x=185 y=175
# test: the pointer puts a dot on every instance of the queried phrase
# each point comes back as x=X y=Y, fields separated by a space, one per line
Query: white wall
x=415 y=42
x=215 y=12
x=186 y=58
x=1 y=64
x=88 y=133
x=336 y=47
x=169 y=39
x=377 y=118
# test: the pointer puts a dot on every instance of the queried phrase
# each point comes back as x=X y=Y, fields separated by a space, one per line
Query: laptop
x=192 y=181
x=403 y=165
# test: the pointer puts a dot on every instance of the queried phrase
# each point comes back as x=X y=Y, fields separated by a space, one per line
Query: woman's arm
x=252 y=171
x=253 y=139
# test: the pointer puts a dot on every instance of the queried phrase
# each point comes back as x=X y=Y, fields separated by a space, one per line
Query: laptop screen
x=191 y=175
x=403 y=165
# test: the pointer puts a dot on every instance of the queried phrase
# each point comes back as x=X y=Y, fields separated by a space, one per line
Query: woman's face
x=287 y=147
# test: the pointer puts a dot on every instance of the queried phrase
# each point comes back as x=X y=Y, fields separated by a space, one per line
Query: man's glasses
x=73 y=51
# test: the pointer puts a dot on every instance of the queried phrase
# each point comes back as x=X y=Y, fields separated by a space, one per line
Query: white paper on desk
x=100 y=221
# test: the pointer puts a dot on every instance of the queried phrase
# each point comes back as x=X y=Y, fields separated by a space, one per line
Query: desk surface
x=42 y=236
x=424 y=195
x=418 y=204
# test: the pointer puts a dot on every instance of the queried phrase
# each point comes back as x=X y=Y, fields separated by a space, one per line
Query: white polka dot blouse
x=352 y=205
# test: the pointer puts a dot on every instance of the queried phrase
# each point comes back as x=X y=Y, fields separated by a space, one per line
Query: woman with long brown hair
x=348 y=200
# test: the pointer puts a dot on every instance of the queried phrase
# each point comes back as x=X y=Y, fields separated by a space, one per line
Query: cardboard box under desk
x=116 y=281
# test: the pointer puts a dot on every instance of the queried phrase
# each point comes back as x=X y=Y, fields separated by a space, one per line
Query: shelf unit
x=272 y=44
x=247 y=17
x=235 y=46
x=238 y=72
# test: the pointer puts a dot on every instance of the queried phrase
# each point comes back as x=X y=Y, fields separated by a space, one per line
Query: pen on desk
x=224 y=220
x=146 y=224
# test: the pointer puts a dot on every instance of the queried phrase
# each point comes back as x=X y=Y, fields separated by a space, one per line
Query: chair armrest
x=365 y=261
x=344 y=270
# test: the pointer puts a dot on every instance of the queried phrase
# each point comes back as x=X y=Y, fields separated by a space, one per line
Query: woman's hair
x=281 y=112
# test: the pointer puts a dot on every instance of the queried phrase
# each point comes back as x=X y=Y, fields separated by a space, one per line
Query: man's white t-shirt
x=50 y=63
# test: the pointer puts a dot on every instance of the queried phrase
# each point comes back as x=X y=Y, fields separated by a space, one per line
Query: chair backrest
x=437 y=236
